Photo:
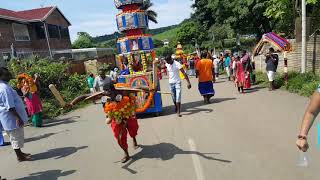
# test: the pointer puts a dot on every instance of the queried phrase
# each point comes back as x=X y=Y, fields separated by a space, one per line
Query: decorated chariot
x=136 y=56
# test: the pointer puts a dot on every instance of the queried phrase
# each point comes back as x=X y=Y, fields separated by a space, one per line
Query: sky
x=97 y=17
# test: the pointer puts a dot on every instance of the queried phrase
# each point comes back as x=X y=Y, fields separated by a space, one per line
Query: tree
x=218 y=33
x=189 y=33
x=157 y=43
x=152 y=15
x=203 y=14
x=164 y=51
x=285 y=11
x=84 y=40
x=244 y=16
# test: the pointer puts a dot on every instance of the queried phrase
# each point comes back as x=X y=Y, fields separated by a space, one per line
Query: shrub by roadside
x=302 y=84
x=70 y=86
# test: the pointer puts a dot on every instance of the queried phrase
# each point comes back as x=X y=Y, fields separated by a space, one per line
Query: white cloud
x=172 y=12
x=94 y=24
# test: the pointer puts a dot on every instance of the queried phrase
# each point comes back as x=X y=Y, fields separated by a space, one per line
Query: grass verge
x=302 y=84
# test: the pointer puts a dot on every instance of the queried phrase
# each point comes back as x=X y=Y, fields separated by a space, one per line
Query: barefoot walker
x=121 y=111
x=121 y=114
x=12 y=114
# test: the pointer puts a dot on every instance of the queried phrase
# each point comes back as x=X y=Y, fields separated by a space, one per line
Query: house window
x=40 y=31
x=21 y=32
x=53 y=31
x=64 y=32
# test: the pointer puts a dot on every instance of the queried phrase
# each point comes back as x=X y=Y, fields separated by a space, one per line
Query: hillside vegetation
x=170 y=34
x=115 y=35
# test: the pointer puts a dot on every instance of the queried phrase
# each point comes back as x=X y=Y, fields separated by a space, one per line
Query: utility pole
x=304 y=37
x=48 y=39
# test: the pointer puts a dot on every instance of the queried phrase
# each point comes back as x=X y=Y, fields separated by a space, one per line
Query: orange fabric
x=205 y=67
x=121 y=131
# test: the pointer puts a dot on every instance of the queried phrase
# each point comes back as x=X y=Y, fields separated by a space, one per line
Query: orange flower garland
x=121 y=85
x=147 y=104
x=119 y=111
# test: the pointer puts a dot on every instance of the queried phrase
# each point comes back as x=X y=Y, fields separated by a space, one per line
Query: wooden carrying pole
x=57 y=95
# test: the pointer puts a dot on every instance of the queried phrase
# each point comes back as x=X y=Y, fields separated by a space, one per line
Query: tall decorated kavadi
x=136 y=56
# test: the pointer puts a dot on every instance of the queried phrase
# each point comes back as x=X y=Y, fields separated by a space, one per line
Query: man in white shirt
x=216 y=62
x=174 y=68
x=114 y=74
x=102 y=82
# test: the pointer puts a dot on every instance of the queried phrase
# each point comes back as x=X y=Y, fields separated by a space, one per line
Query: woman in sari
x=245 y=60
x=239 y=74
x=30 y=89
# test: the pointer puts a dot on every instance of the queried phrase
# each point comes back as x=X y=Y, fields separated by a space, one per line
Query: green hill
x=157 y=31
x=170 y=34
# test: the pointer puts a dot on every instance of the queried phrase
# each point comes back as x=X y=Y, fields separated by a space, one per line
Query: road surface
x=250 y=136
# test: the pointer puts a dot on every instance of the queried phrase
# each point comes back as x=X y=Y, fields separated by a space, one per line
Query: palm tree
x=152 y=15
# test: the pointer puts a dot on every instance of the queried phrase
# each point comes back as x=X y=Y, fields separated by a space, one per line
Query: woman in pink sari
x=30 y=92
x=240 y=75
x=246 y=64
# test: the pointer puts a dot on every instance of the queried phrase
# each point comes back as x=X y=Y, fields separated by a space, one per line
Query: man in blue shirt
x=13 y=115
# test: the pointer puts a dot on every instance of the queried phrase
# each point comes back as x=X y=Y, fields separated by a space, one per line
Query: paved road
x=247 y=137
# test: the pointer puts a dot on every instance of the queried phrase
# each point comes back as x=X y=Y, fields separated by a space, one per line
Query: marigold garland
x=121 y=85
x=120 y=111
x=144 y=62
x=130 y=60
x=147 y=104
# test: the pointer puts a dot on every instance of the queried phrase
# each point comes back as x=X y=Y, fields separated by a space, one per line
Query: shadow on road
x=218 y=82
x=48 y=175
x=165 y=152
x=51 y=123
x=194 y=107
x=37 y=138
x=57 y=153
x=220 y=100
x=43 y=136
x=253 y=90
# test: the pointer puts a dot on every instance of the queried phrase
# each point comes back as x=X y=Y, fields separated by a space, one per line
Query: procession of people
x=12 y=106
x=120 y=105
